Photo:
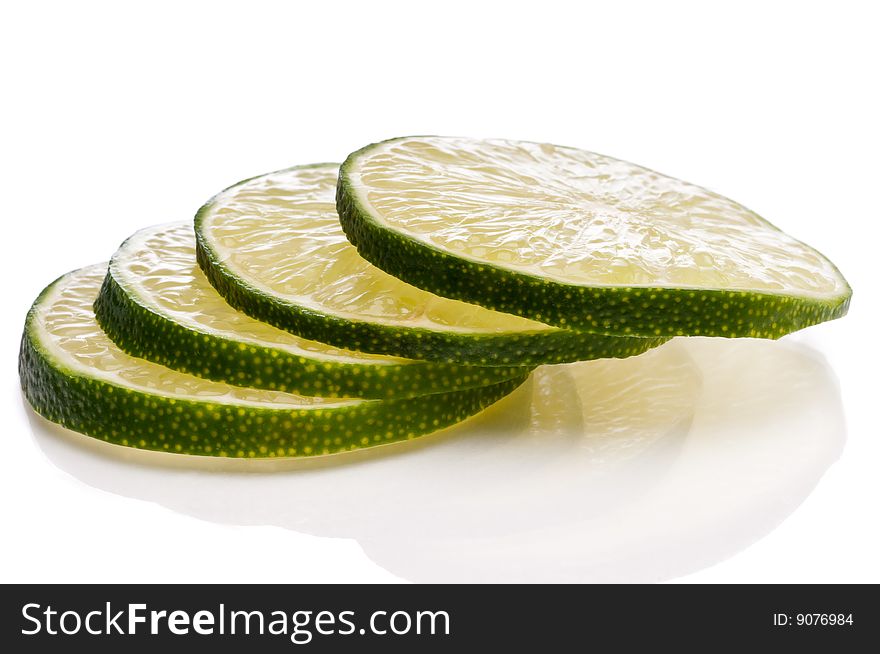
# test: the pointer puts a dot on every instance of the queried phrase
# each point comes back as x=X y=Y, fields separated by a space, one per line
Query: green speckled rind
x=474 y=349
x=150 y=335
x=139 y=419
x=613 y=310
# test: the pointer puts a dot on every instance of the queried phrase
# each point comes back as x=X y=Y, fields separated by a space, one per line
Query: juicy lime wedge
x=156 y=303
x=274 y=248
x=73 y=374
x=580 y=240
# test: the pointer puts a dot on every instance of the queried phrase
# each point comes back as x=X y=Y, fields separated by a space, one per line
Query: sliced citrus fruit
x=579 y=240
x=274 y=248
x=73 y=374
x=157 y=304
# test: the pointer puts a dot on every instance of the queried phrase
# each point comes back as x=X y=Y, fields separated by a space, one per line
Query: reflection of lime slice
x=156 y=303
x=493 y=500
x=579 y=240
x=274 y=248
x=616 y=410
x=73 y=374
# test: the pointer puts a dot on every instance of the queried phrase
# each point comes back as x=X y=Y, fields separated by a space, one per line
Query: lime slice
x=274 y=248
x=579 y=240
x=157 y=304
x=73 y=374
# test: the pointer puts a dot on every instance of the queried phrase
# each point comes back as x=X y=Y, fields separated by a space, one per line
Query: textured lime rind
x=612 y=310
x=139 y=419
x=145 y=333
x=518 y=348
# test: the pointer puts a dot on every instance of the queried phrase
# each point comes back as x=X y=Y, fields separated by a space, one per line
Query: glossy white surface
x=634 y=470
x=145 y=134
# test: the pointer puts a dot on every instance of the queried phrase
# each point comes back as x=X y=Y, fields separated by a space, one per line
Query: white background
x=114 y=118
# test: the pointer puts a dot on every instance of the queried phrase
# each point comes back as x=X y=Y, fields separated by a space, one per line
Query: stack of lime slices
x=321 y=309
